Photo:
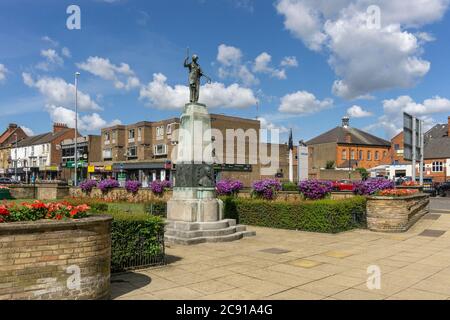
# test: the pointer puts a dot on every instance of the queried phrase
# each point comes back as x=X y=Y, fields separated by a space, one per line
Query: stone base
x=190 y=233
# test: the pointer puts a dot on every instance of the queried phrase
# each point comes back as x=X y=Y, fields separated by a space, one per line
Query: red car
x=343 y=185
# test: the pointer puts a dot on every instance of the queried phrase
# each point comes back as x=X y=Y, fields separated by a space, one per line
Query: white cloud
x=122 y=75
x=50 y=40
x=268 y=125
x=229 y=55
x=58 y=92
x=27 y=131
x=303 y=102
x=262 y=65
x=358 y=112
x=3 y=72
x=66 y=52
x=52 y=60
x=163 y=96
x=289 y=62
x=392 y=120
x=90 y=122
x=365 y=59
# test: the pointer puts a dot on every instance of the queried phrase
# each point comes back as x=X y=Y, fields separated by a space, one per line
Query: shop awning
x=139 y=166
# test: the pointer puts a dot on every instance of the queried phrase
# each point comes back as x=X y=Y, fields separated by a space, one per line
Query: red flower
x=4 y=211
x=73 y=212
x=58 y=217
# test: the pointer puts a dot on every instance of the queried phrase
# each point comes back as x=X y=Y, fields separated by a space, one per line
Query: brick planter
x=42 y=259
x=395 y=214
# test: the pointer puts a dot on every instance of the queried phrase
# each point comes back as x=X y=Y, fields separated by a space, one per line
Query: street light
x=15 y=162
x=77 y=74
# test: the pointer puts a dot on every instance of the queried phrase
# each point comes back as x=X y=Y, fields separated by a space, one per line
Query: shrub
x=363 y=173
x=159 y=187
x=328 y=216
x=229 y=187
x=136 y=238
x=289 y=186
x=266 y=189
x=88 y=185
x=132 y=186
x=157 y=208
x=315 y=189
x=108 y=184
x=372 y=186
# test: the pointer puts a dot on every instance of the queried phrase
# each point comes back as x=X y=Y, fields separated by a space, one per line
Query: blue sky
x=307 y=63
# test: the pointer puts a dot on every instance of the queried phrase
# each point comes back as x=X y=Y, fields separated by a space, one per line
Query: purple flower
x=315 y=189
x=159 y=187
x=132 y=186
x=108 y=184
x=372 y=186
x=228 y=187
x=266 y=189
x=88 y=185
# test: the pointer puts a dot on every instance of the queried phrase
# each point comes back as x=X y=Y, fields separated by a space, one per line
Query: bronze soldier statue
x=195 y=74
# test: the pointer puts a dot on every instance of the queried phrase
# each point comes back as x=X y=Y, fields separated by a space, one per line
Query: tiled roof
x=339 y=135
x=42 y=138
x=437 y=142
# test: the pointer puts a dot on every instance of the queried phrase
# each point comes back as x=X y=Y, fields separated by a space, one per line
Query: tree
x=364 y=173
x=329 y=165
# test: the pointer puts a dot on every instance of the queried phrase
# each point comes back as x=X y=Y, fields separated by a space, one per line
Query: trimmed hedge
x=326 y=216
x=137 y=240
x=157 y=208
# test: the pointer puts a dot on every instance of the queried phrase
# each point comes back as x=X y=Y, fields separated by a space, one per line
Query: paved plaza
x=282 y=264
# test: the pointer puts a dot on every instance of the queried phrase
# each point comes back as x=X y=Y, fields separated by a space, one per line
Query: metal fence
x=139 y=255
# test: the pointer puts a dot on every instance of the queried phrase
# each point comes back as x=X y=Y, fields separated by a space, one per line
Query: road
x=440 y=205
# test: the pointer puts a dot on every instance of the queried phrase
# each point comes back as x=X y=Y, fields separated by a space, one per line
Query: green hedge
x=137 y=241
x=157 y=208
x=289 y=186
x=327 y=216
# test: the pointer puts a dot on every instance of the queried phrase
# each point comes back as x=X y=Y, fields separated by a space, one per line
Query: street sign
x=413 y=140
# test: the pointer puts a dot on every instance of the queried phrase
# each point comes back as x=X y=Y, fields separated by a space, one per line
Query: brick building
x=7 y=142
x=347 y=148
x=40 y=156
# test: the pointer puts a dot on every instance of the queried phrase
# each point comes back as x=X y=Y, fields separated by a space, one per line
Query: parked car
x=343 y=185
x=429 y=187
x=8 y=181
x=443 y=189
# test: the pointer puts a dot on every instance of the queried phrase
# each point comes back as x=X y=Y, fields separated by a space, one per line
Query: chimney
x=57 y=127
x=12 y=126
x=345 y=122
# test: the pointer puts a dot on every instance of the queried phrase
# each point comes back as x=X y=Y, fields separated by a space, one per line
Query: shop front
x=145 y=172
x=68 y=171
x=100 y=172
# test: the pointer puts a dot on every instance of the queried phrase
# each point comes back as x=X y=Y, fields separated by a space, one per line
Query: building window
x=160 y=150
x=344 y=154
x=131 y=134
x=438 y=166
x=132 y=152
x=396 y=147
x=369 y=155
x=107 y=137
x=377 y=155
x=384 y=154
x=352 y=154
x=107 y=154
x=360 y=155
x=169 y=129
x=114 y=136
x=159 y=133
x=139 y=134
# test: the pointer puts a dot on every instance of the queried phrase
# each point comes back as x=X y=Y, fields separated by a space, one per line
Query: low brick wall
x=45 y=259
x=120 y=194
x=40 y=191
x=146 y=195
x=388 y=214
x=23 y=192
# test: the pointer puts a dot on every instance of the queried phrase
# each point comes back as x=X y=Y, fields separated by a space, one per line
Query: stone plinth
x=194 y=214
x=45 y=259
x=395 y=214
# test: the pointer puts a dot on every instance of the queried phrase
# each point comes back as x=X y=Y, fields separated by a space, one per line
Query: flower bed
x=133 y=186
x=106 y=185
x=397 y=192
x=38 y=210
x=372 y=186
x=229 y=187
x=159 y=187
x=315 y=189
x=266 y=189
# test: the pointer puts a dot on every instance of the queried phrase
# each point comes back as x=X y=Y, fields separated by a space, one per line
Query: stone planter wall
x=395 y=214
x=146 y=195
x=40 y=191
x=45 y=259
x=23 y=192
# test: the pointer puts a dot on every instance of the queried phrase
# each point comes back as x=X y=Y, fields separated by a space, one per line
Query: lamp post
x=77 y=74
x=15 y=162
